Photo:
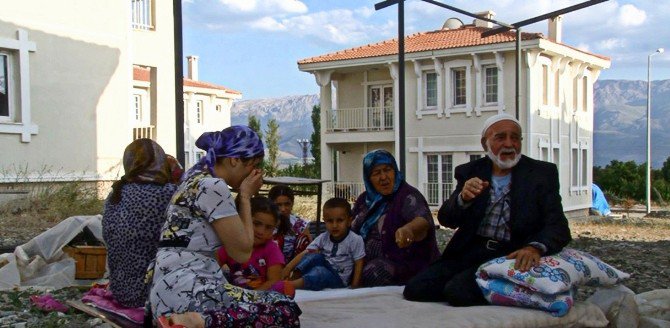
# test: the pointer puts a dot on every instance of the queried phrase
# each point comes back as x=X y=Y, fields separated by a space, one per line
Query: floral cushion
x=504 y=292
x=556 y=273
x=548 y=286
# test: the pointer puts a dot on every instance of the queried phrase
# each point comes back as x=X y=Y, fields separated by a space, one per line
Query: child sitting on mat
x=263 y=270
x=335 y=258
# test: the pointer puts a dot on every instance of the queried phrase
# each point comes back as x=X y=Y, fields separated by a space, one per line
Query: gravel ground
x=633 y=244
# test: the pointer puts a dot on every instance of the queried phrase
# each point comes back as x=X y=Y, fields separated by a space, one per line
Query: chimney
x=192 y=67
x=555 y=28
x=482 y=23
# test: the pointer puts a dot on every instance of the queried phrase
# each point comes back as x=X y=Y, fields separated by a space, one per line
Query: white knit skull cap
x=497 y=118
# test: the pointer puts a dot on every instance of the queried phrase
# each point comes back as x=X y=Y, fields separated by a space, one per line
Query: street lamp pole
x=648 y=185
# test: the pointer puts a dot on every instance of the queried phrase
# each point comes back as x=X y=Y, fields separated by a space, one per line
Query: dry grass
x=628 y=229
x=47 y=205
x=305 y=207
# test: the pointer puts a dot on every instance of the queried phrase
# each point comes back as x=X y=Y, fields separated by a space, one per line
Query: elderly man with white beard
x=505 y=204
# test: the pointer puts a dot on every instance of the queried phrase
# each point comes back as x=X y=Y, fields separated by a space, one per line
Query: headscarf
x=237 y=141
x=373 y=199
x=176 y=170
x=144 y=161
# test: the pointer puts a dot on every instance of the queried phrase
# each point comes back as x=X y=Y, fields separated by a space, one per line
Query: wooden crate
x=90 y=261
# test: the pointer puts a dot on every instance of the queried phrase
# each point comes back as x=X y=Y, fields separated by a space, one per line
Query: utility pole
x=304 y=143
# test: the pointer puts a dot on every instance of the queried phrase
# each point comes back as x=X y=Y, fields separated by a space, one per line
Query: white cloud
x=340 y=26
x=612 y=43
x=365 y=12
x=268 y=24
x=266 y=6
x=629 y=15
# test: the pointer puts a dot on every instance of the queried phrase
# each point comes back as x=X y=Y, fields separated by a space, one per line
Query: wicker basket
x=90 y=261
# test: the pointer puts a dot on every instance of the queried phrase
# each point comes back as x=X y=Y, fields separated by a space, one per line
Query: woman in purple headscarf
x=188 y=284
x=395 y=222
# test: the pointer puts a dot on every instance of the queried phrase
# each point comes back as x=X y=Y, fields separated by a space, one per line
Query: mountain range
x=619 y=124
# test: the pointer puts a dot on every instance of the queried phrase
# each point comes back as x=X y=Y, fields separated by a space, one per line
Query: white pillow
x=556 y=273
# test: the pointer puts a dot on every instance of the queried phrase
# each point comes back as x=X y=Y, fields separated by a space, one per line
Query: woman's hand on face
x=252 y=183
x=404 y=237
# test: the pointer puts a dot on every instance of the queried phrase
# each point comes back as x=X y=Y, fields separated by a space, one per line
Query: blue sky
x=253 y=45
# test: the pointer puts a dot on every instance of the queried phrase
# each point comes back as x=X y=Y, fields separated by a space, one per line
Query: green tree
x=255 y=124
x=272 y=144
x=666 y=170
x=316 y=140
x=622 y=179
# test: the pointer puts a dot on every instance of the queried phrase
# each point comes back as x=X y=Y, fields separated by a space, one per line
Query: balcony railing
x=437 y=193
x=346 y=190
x=360 y=119
x=144 y=132
x=142 y=14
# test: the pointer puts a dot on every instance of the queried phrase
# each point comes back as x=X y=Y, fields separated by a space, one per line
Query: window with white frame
x=544 y=151
x=557 y=78
x=199 y=155
x=549 y=152
x=579 y=166
x=430 y=87
x=15 y=109
x=545 y=85
x=439 y=178
x=490 y=84
x=584 y=168
x=585 y=91
x=556 y=159
x=474 y=157
x=459 y=87
x=137 y=108
x=142 y=13
x=198 y=111
x=187 y=159
x=574 y=167
x=5 y=96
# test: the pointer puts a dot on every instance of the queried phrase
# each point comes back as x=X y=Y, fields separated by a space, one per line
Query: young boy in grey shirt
x=335 y=258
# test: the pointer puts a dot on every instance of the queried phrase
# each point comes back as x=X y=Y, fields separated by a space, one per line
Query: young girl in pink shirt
x=263 y=271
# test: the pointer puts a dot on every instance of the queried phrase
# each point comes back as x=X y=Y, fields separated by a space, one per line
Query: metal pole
x=178 y=81
x=401 y=83
x=648 y=185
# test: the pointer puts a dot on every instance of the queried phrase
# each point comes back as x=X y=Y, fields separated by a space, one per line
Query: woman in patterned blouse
x=188 y=283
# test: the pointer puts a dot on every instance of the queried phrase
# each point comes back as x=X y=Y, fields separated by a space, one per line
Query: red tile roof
x=207 y=85
x=466 y=36
x=143 y=74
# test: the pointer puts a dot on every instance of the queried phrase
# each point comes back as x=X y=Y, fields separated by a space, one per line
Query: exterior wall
x=350 y=159
x=79 y=78
x=155 y=48
x=81 y=86
x=350 y=92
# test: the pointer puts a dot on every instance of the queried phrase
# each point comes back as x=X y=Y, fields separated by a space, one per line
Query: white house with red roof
x=79 y=80
x=454 y=81
x=206 y=107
